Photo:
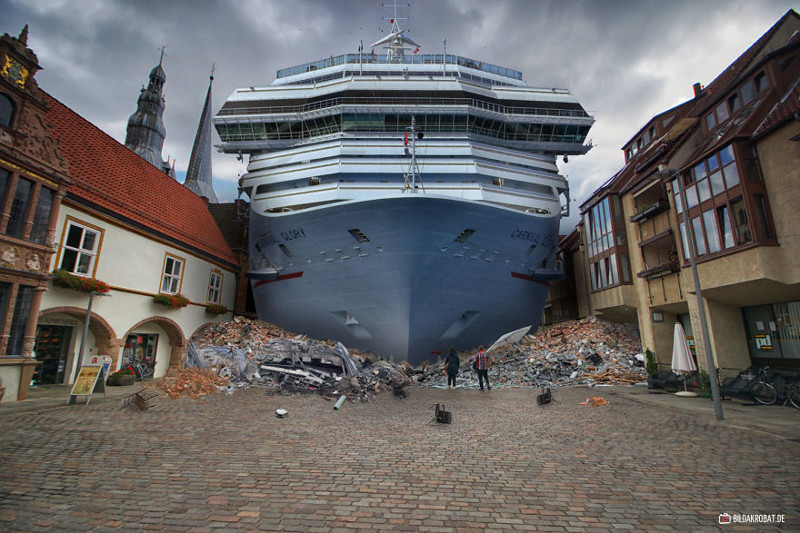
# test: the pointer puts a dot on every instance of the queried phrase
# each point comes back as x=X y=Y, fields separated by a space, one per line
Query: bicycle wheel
x=793 y=393
x=764 y=393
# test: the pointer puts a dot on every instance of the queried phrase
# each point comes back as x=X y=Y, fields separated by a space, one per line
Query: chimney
x=698 y=89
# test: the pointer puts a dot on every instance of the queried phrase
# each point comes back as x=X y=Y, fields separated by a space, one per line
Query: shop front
x=773 y=333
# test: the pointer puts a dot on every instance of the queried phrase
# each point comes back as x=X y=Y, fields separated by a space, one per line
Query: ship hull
x=404 y=277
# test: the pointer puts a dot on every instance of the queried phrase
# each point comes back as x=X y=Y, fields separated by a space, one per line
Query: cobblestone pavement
x=227 y=462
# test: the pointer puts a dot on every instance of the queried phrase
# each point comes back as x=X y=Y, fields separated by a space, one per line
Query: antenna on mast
x=395 y=51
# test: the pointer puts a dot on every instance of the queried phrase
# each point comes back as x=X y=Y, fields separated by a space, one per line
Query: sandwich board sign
x=91 y=379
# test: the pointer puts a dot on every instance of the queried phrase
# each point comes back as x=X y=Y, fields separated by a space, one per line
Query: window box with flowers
x=122 y=377
x=216 y=309
x=62 y=278
x=176 y=301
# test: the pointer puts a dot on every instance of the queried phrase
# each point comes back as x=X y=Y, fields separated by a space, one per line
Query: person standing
x=482 y=364
x=451 y=362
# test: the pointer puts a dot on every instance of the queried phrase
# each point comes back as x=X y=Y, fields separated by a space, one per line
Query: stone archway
x=177 y=340
x=105 y=339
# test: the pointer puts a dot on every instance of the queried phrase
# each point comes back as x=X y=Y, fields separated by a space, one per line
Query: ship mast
x=396 y=41
x=413 y=171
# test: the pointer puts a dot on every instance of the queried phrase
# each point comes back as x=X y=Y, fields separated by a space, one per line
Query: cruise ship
x=400 y=202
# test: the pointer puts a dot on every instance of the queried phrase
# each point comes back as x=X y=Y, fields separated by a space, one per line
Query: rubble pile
x=248 y=352
x=587 y=351
x=241 y=353
x=192 y=382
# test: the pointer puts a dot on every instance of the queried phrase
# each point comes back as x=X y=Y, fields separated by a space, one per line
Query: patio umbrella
x=509 y=338
x=682 y=361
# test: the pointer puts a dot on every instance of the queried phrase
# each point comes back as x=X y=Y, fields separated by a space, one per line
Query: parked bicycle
x=765 y=390
x=140 y=371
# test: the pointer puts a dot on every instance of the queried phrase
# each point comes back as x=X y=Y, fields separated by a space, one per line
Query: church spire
x=198 y=175
x=145 y=133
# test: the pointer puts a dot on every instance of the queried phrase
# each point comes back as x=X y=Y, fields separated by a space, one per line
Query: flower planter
x=121 y=380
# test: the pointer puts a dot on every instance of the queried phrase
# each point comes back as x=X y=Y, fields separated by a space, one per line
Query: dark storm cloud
x=624 y=60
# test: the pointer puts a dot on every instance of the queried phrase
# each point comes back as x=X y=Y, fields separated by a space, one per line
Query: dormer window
x=760 y=82
x=722 y=112
x=734 y=103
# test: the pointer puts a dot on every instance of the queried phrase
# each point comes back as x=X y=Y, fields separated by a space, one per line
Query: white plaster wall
x=133 y=264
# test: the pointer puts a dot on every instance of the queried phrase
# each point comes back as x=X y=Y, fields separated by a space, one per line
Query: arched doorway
x=157 y=343
x=58 y=337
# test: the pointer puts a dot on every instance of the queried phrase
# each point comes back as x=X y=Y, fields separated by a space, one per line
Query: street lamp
x=701 y=309
x=85 y=334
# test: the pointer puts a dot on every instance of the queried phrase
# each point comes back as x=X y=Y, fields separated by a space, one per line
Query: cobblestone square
x=227 y=462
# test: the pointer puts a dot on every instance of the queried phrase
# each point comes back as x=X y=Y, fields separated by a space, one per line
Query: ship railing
x=404 y=102
x=412 y=59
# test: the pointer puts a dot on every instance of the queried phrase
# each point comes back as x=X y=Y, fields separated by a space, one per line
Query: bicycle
x=141 y=371
x=766 y=393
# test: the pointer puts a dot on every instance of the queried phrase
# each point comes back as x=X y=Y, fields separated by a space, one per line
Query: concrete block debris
x=281 y=413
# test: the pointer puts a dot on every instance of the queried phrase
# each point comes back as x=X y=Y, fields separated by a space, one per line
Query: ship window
x=464 y=235
x=358 y=235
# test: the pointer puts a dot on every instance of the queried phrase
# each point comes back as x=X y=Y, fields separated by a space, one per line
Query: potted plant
x=122 y=377
x=651 y=368
x=216 y=309
x=175 y=301
x=62 y=278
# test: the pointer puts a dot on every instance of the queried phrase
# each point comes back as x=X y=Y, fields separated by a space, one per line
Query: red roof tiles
x=109 y=175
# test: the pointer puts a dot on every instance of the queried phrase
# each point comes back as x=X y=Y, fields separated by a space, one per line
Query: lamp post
x=83 y=337
x=701 y=309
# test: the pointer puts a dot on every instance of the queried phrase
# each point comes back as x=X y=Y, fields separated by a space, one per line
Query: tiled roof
x=231 y=224
x=109 y=175
x=722 y=83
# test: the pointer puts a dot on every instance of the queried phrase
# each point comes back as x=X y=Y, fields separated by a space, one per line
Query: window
x=19 y=208
x=764 y=230
x=711 y=121
x=214 y=287
x=6 y=110
x=4 y=179
x=81 y=244
x=725 y=225
x=173 y=273
x=41 y=217
x=734 y=103
x=729 y=166
x=748 y=92
x=760 y=82
x=701 y=179
x=722 y=112
x=19 y=320
x=712 y=235
x=741 y=224
x=697 y=233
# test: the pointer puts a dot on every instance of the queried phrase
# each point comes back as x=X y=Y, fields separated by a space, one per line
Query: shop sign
x=91 y=379
x=763 y=342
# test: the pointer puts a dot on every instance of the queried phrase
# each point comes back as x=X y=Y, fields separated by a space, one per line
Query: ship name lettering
x=292 y=234
x=525 y=235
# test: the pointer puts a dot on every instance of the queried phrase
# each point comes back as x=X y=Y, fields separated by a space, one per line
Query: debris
x=339 y=402
x=281 y=413
x=145 y=399
x=596 y=401
x=242 y=353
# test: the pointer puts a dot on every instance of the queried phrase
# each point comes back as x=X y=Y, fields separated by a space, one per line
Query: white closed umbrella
x=682 y=361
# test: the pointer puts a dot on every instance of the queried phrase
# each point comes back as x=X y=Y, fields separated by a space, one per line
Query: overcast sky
x=625 y=61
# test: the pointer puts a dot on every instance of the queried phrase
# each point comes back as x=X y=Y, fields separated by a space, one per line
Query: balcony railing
x=648 y=212
x=660 y=270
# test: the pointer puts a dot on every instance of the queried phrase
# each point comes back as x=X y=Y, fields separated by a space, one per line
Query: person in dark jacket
x=451 y=362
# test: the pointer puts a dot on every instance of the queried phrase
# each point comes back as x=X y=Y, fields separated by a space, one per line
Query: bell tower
x=146 y=132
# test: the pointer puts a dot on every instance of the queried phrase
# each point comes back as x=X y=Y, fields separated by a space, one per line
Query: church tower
x=198 y=175
x=145 y=133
